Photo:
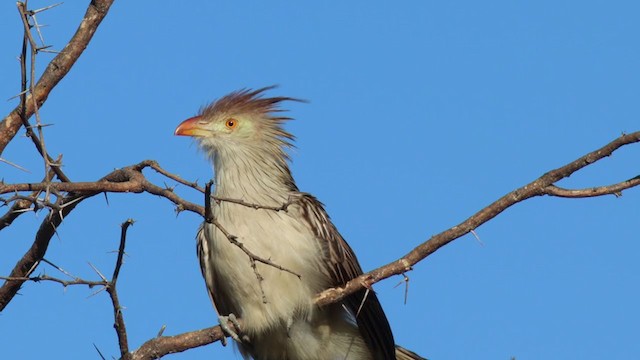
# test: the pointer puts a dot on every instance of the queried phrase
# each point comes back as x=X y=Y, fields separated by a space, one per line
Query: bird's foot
x=236 y=332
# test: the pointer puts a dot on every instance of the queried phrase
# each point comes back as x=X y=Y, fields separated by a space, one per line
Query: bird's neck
x=252 y=177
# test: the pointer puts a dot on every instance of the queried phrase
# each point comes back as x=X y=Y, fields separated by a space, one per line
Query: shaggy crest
x=251 y=102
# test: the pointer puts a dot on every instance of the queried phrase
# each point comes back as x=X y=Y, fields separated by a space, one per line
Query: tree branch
x=537 y=187
x=160 y=346
x=55 y=71
x=119 y=325
x=615 y=189
x=131 y=179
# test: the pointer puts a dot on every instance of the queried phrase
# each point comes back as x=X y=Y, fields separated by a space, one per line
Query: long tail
x=404 y=354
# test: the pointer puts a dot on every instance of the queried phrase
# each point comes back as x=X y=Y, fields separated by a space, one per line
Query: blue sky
x=420 y=114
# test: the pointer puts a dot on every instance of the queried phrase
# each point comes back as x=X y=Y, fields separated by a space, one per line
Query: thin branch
x=123 y=238
x=38 y=140
x=253 y=258
x=163 y=345
x=55 y=71
x=36 y=252
x=615 y=189
x=537 y=187
x=119 y=325
x=18 y=208
x=62 y=282
x=131 y=179
x=282 y=207
x=192 y=184
x=160 y=346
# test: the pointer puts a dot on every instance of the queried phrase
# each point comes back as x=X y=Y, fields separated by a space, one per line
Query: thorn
x=161 y=330
x=19 y=94
x=97 y=291
x=99 y=353
x=170 y=188
x=14 y=165
x=44 y=8
x=98 y=272
x=477 y=237
x=364 y=298
x=50 y=51
x=406 y=288
x=42 y=48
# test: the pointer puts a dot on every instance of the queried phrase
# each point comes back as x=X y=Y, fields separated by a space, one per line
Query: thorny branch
x=253 y=258
x=109 y=286
x=121 y=329
x=55 y=71
x=128 y=179
x=38 y=140
x=544 y=185
x=131 y=179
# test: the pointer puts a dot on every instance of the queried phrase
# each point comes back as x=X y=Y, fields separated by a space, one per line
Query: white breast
x=278 y=237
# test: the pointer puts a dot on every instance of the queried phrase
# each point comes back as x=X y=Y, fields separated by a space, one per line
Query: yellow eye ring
x=231 y=123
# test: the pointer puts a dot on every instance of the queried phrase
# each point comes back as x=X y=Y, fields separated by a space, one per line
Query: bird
x=273 y=248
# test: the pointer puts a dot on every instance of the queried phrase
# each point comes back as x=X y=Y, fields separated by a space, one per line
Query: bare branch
x=119 y=325
x=123 y=238
x=19 y=207
x=131 y=179
x=615 y=189
x=64 y=283
x=282 y=207
x=55 y=71
x=163 y=345
x=253 y=258
x=32 y=257
x=536 y=188
x=155 y=166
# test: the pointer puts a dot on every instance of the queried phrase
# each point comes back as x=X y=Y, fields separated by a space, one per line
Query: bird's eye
x=231 y=123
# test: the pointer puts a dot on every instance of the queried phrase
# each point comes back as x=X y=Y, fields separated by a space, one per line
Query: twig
x=282 y=207
x=123 y=238
x=64 y=283
x=119 y=325
x=55 y=71
x=253 y=258
x=37 y=140
x=36 y=252
x=163 y=345
x=192 y=184
x=19 y=207
x=615 y=189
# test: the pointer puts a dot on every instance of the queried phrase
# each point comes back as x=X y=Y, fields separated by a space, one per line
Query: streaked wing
x=342 y=266
x=208 y=272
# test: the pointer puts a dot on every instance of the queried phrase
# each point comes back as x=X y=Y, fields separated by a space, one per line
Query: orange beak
x=191 y=127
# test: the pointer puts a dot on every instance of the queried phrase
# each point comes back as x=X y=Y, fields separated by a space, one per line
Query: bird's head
x=243 y=132
x=240 y=121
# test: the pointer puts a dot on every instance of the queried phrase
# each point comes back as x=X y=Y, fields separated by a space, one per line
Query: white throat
x=249 y=175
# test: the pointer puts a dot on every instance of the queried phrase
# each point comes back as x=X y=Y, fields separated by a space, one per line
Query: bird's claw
x=236 y=332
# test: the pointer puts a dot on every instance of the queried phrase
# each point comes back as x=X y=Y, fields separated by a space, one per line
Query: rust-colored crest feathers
x=247 y=101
